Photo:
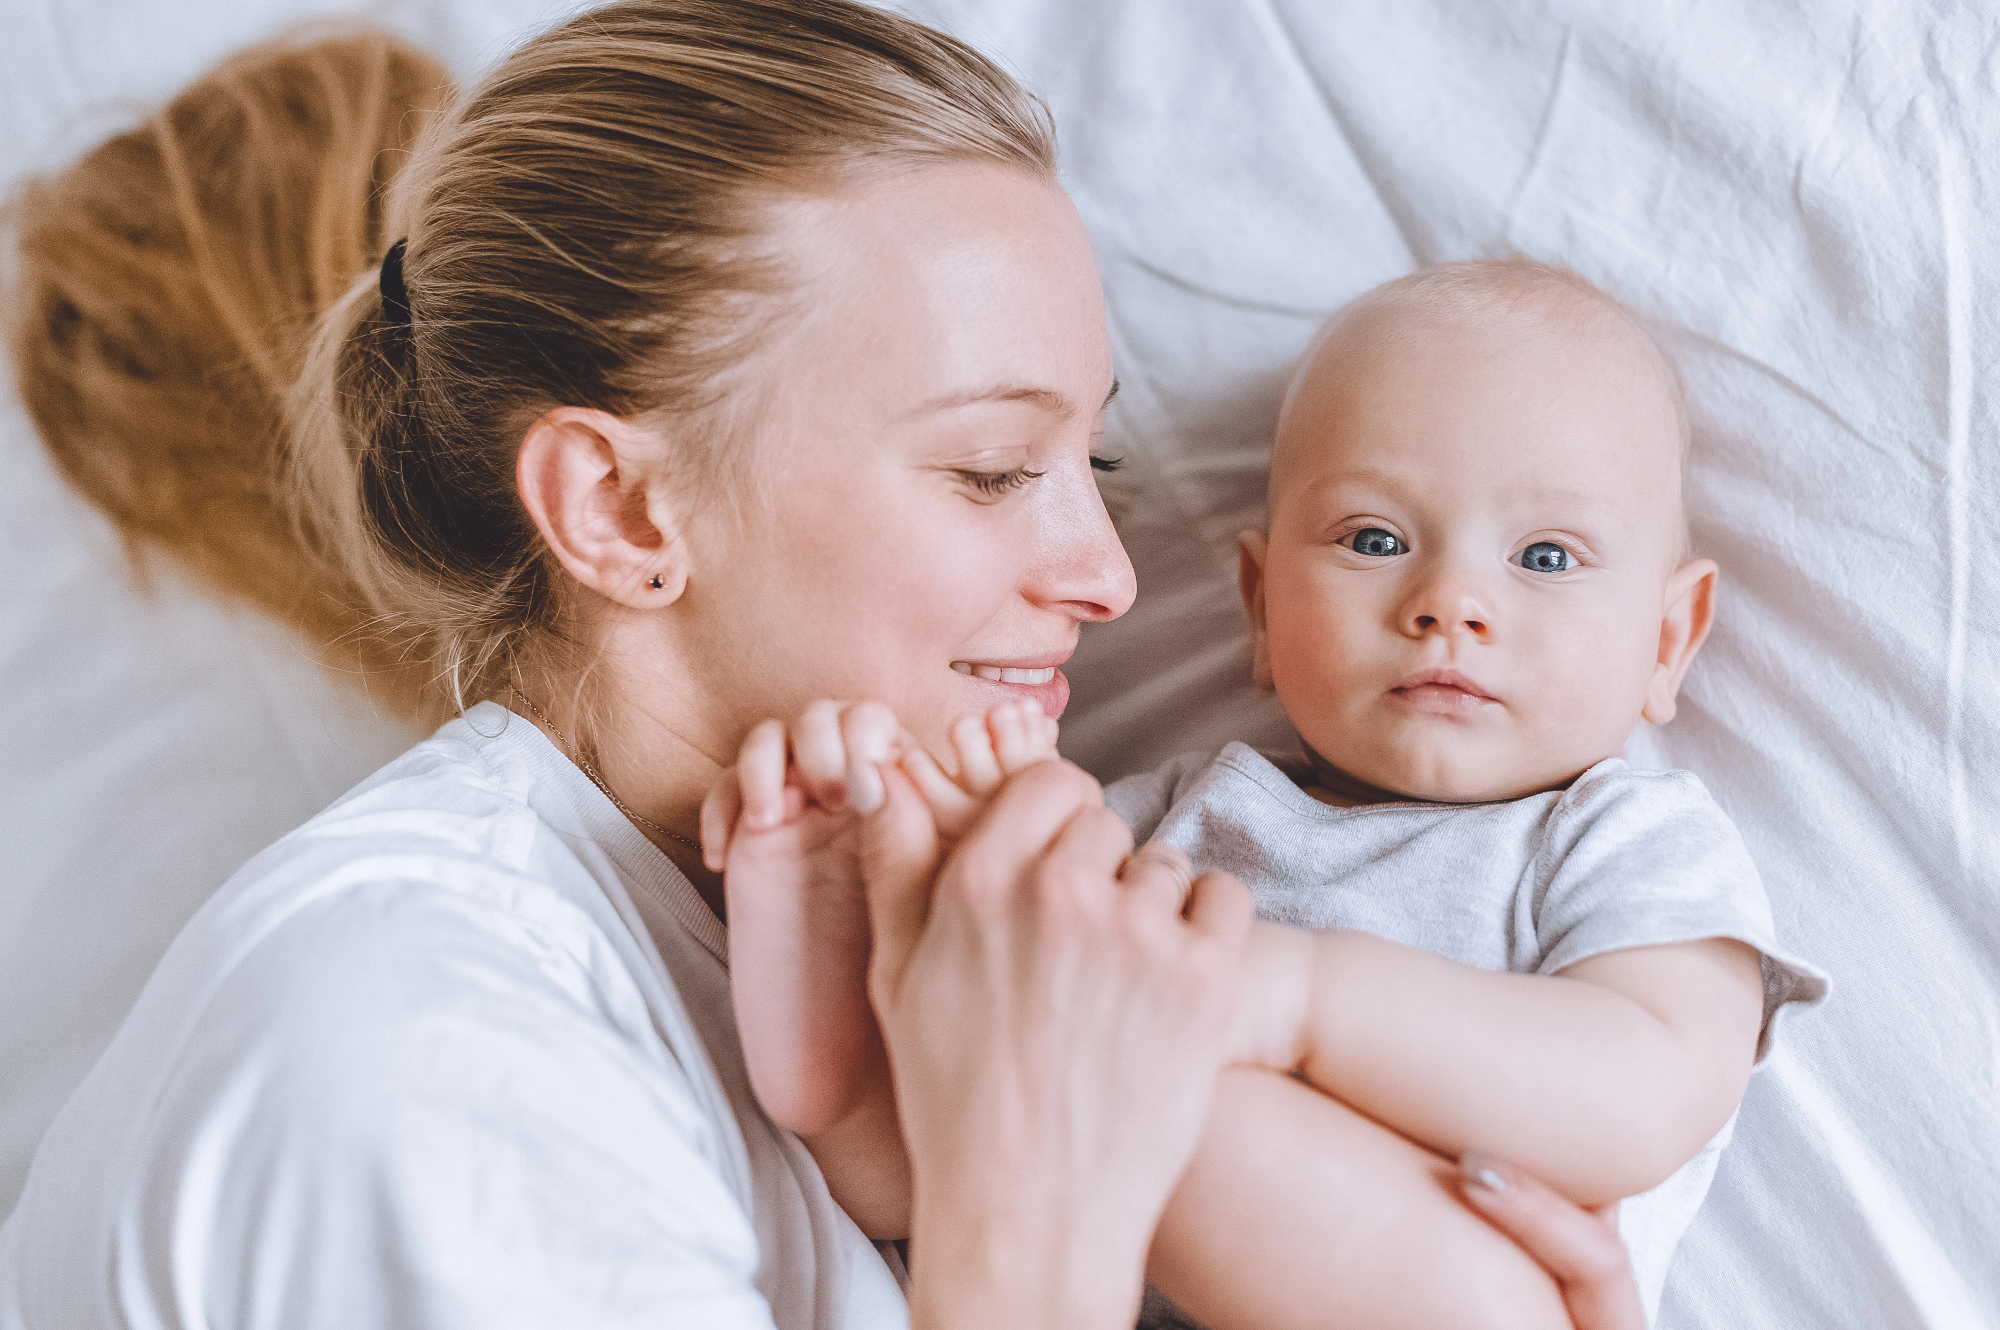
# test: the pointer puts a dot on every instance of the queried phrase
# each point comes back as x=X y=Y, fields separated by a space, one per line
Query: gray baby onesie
x=1621 y=858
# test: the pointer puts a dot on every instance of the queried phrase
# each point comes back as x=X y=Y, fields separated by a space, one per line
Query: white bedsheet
x=1799 y=198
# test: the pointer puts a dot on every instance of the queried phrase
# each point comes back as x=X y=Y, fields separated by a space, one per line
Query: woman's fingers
x=1022 y=823
x=1220 y=907
x=1160 y=872
x=1578 y=1247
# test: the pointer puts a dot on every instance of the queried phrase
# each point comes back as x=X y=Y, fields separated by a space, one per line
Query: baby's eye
x=1377 y=543
x=1544 y=557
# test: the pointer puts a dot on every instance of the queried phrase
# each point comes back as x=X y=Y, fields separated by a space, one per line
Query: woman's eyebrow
x=1044 y=399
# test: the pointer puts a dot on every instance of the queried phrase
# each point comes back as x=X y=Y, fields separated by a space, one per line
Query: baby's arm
x=1602 y=1080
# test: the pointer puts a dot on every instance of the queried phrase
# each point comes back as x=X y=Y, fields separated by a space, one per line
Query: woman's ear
x=1251 y=547
x=1690 y=610
x=584 y=476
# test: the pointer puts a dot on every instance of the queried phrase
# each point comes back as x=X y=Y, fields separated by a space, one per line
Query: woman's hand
x=1579 y=1247
x=1055 y=1030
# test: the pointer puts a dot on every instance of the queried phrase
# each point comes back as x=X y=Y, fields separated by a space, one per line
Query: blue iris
x=1377 y=543
x=1543 y=557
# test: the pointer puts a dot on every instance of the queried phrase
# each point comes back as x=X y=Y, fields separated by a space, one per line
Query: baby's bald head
x=1520 y=308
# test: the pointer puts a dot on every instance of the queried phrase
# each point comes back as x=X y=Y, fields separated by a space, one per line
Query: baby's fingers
x=978 y=765
x=951 y=808
x=760 y=775
x=1023 y=734
x=871 y=736
x=718 y=819
x=819 y=751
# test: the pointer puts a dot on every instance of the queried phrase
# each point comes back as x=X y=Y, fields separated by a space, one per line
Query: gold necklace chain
x=583 y=765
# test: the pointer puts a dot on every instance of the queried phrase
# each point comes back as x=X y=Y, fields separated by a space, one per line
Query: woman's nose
x=1084 y=570
x=1446 y=603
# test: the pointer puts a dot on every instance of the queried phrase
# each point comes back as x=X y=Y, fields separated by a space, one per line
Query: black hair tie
x=395 y=296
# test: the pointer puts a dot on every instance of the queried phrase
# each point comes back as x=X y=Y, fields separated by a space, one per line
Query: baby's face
x=1472 y=576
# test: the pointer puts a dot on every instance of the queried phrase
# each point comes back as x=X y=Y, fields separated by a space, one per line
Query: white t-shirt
x=1621 y=858
x=459 y=1052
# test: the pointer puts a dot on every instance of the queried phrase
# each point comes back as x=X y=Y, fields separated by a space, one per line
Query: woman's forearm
x=1602 y=1083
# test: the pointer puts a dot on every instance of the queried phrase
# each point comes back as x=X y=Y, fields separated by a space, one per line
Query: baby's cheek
x=1584 y=700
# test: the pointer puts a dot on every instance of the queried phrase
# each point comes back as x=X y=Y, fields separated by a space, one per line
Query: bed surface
x=1799 y=199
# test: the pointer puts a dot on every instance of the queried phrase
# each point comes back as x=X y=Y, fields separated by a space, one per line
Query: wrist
x=1019 y=1263
x=1273 y=1020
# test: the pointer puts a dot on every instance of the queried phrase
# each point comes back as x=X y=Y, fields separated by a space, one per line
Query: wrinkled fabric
x=1619 y=858
x=426 y=1063
x=1798 y=199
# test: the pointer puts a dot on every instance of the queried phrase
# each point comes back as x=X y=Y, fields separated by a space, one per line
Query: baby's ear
x=1690 y=611
x=1251 y=547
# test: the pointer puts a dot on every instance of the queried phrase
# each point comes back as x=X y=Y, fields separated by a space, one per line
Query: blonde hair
x=587 y=227
x=164 y=289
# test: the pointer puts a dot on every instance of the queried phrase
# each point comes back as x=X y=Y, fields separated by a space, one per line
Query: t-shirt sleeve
x=1141 y=802
x=1642 y=858
x=402 y=1111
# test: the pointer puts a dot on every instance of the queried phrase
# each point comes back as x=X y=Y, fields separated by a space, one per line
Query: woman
x=727 y=355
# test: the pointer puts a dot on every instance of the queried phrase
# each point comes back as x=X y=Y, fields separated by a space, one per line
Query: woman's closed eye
x=993 y=485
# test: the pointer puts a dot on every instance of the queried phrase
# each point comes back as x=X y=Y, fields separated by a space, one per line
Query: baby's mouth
x=1004 y=673
x=1442 y=693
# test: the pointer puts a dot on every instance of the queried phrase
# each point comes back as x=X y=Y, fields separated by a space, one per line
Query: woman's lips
x=1039 y=681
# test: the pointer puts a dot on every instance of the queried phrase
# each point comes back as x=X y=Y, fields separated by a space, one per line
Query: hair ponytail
x=166 y=287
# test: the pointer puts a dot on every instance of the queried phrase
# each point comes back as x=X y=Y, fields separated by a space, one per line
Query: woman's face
x=914 y=519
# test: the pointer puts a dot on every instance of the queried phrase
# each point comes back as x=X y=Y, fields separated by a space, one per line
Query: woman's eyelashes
x=998 y=484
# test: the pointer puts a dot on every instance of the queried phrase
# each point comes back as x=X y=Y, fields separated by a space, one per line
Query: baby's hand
x=1011 y=737
x=781 y=826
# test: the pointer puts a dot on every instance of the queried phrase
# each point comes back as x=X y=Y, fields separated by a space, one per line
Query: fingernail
x=864 y=787
x=1484 y=1171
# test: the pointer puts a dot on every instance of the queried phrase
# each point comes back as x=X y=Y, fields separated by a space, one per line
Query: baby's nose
x=1427 y=623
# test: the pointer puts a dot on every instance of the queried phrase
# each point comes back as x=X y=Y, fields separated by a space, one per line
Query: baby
x=1474 y=584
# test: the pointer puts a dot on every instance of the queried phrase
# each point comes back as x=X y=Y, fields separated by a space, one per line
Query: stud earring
x=656 y=583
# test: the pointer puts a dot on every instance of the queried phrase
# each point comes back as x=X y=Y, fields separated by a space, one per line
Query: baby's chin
x=1442 y=779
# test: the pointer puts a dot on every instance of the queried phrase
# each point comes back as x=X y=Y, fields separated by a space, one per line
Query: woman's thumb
x=899 y=862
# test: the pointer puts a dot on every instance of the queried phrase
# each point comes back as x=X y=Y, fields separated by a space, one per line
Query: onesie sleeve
x=1141 y=802
x=1642 y=858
